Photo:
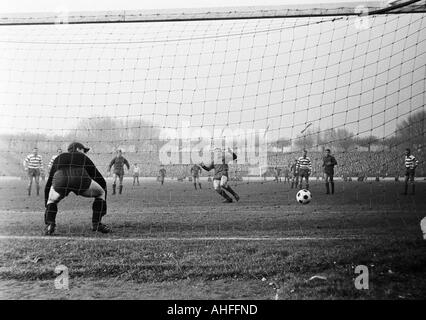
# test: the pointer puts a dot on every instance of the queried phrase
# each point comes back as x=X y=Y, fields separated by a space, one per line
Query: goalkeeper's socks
x=113 y=188
x=50 y=213
x=99 y=208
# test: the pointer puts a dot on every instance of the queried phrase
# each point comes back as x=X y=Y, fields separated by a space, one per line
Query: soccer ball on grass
x=304 y=196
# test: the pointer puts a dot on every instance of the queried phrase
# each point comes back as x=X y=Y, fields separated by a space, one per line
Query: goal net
x=165 y=89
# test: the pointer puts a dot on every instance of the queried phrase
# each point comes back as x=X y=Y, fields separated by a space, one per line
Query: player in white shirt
x=136 y=171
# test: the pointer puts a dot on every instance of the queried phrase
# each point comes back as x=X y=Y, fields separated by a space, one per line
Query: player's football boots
x=49 y=230
x=100 y=227
x=227 y=200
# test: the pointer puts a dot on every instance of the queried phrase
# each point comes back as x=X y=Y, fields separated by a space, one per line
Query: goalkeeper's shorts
x=68 y=180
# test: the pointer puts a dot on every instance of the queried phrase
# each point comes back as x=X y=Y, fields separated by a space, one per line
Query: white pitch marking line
x=11 y=237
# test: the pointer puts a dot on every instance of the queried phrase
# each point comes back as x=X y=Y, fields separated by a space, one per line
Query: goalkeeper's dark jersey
x=74 y=160
x=220 y=169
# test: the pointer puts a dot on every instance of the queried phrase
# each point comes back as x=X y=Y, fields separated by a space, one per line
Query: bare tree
x=412 y=131
x=282 y=143
x=367 y=141
x=111 y=133
x=305 y=141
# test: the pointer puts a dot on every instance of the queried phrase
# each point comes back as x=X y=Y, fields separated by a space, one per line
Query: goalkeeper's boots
x=49 y=229
x=100 y=227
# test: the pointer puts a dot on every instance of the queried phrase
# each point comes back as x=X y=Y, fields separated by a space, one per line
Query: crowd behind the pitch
x=357 y=164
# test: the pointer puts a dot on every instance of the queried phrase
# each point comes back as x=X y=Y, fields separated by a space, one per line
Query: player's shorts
x=196 y=178
x=119 y=173
x=218 y=183
x=329 y=171
x=136 y=175
x=33 y=172
x=69 y=180
x=304 y=173
x=409 y=172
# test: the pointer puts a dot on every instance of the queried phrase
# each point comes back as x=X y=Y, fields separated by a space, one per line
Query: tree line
x=109 y=134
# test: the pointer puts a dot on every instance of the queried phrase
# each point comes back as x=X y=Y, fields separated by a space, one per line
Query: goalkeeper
x=220 y=179
x=73 y=171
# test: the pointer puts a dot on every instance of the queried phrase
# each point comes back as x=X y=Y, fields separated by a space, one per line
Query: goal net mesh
x=271 y=87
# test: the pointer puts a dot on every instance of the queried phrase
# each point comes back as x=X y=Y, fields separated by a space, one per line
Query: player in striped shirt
x=33 y=165
x=220 y=179
x=411 y=164
x=49 y=166
x=304 y=167
x=195 y=172
x=118 y=162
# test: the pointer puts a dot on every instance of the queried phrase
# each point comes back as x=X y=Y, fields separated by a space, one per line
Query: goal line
x=177 y=239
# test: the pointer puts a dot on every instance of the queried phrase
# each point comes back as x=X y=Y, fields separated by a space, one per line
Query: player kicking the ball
x=73 y=171
x=220 y=179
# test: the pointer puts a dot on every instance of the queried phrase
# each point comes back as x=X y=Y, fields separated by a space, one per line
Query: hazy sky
x=278 y=74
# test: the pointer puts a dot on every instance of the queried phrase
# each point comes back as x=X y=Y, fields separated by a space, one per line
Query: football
x=304 y=196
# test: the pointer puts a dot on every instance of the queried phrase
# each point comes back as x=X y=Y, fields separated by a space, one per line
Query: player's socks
x=413 y=189
x=332 y=187
x=50 y=213
x=199 y=185
x=38 y=190
x=327 y=187
x=113 y=188
x=406 y=189
x=195 y=186
x=224 y=195
x=50 y=218
x=229 y=189
x=99 y=208
x=120 y=189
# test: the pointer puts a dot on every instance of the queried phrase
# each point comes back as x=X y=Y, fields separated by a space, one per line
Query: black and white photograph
x=232 y=152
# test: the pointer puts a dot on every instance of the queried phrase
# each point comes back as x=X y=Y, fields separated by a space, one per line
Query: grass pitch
x=174 y=242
